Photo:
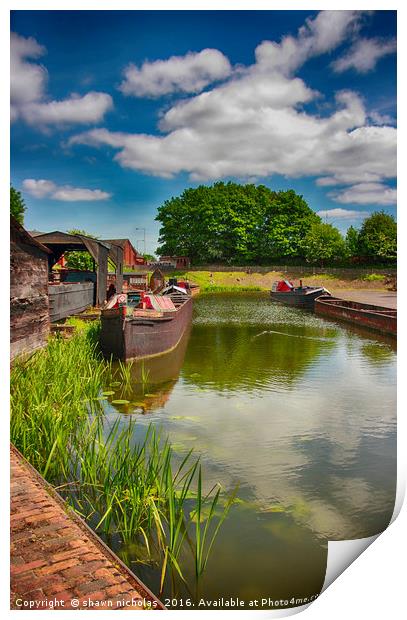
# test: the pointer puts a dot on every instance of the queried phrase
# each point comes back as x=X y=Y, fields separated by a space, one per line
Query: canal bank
x=57 y=561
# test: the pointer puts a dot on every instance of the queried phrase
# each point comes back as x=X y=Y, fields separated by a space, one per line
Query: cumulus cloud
x=255 y=124
x=187 y=74
x=42 y=188
x=318 y=36
x=366 y=193
x=343 y=214
x=28 y=92
x=90 y=108
x=364 y=55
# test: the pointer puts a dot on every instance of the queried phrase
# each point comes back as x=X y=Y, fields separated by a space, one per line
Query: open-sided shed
x=59 y=243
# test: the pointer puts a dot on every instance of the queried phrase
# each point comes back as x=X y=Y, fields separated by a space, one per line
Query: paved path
x=388 y=299
x=56 y=559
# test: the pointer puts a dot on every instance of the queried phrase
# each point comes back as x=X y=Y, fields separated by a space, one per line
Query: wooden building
x=59 y=243
x=174 y=262
x=131 y=258
x=29 y=305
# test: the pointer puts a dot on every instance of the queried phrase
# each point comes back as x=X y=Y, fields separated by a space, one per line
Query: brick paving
x=56 y=560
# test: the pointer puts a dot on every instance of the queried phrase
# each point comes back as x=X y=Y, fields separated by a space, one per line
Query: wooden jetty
x=56 y=559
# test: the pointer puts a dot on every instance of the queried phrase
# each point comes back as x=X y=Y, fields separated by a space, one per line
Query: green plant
x=119 y=481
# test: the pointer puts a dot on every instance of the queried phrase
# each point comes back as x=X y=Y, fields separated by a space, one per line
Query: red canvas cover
x=284 y=286
x=160 y=302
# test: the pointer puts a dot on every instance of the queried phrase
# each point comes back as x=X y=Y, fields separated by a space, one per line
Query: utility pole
x=144 y=239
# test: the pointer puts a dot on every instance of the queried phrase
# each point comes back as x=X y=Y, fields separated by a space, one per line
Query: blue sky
x=116 y=111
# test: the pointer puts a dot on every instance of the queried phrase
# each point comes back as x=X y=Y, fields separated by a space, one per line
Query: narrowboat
x=137 y=327
x=377 y=318
x=299 y=296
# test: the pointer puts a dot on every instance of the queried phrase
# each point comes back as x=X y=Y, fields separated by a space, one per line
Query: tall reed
x=121 y=482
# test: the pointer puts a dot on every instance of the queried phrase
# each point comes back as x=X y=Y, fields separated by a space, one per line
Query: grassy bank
x=223 y=281
x=123 y=482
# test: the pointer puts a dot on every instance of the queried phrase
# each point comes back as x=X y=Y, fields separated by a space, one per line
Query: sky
x=114 y=112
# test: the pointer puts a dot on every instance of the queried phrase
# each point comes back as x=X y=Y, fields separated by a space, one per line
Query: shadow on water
x=296 y=410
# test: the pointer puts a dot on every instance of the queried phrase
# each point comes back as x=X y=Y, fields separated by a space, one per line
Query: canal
x=295 y=414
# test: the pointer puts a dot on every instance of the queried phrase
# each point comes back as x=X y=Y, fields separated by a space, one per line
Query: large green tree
x=17 y=205
x=378 y=237
x=229 y=222
x=323 y=243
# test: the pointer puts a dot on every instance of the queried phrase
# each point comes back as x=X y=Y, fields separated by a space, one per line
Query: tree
x=17 y=205
x=352 y=242
x=229 y=222
x=322 y=243
x=79 y=259
x=149 y=257
x=378 y=237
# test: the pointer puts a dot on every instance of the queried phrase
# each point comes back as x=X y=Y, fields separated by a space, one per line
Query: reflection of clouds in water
x=307 y=445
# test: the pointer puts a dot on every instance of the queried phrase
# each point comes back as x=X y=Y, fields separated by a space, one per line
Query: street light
x=144 y=238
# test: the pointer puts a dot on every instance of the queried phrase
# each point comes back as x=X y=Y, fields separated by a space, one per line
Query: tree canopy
x=378 y=237
x=323 y=242
x=17 y=205
x=229 y=222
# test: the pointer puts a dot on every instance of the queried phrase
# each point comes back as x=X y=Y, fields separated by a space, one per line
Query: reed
x=120 y=481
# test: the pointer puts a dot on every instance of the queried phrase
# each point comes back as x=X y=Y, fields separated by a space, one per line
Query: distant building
x=176 y=262
x=131 y=258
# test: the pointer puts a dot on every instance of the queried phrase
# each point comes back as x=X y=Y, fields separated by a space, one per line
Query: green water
x=296 y=411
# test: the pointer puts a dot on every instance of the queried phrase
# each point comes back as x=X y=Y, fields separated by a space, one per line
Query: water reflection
x=296 y=410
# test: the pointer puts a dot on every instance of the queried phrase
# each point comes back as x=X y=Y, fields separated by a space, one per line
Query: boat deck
x=56 y=559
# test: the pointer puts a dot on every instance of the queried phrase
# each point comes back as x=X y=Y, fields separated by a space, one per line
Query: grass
x=122 y=482
x=241 y=281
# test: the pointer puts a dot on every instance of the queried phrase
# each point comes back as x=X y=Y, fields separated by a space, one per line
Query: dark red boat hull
x=129 y=338
x=378 y=318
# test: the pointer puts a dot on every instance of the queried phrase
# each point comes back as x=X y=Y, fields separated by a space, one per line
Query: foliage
x=374 y=277
x=79 y=259
x=17 y=205
x=125 y=484
x=228 y=222
x=323 y=242
x=378 y=237
x=352 y=242
x=149 y=257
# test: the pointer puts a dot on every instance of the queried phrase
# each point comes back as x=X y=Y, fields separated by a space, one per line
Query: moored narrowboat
x=300 y=296
x=152 y=327
x=378 y=318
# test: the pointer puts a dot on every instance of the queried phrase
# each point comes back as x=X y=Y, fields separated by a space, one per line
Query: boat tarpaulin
x=160 y=302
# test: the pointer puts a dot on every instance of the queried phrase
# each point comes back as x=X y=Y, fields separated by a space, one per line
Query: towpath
x=387 y=299
x=56 y=560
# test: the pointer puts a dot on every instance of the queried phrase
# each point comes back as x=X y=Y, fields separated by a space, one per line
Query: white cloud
x=27 y=80
x=90 y=108
x=366 y=193
x=28 y=92
x=254 y=125
x=318 y=36
x=187 y=74
x=364 y=55
x=41 y=188
x=343 y=214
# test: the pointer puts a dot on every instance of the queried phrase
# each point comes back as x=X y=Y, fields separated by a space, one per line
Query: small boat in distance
x=299 y=296
x=150 y=325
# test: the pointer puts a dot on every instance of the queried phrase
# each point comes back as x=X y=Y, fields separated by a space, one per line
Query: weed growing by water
x=123 y=484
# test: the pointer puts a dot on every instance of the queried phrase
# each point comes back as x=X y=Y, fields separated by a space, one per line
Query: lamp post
x=144 y=238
